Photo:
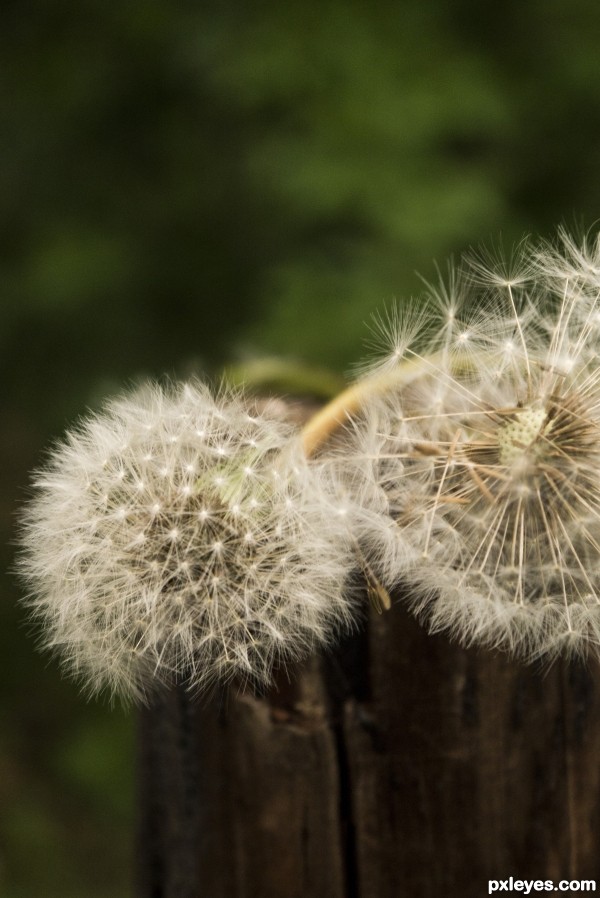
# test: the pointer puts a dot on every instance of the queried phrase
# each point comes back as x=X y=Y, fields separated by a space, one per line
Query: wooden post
x=401 y=765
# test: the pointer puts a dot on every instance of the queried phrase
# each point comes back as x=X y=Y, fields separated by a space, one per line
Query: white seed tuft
x=486 y=460
x=152 y=557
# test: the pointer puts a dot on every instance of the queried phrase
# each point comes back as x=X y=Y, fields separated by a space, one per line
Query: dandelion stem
x=347 y=403
x=342 y=407
x=350 y=401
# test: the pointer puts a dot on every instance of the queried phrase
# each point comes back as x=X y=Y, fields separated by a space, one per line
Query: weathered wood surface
x=401 y=765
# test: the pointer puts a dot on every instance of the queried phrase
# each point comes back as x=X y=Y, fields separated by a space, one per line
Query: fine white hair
x=179 y=535
x=487 y=457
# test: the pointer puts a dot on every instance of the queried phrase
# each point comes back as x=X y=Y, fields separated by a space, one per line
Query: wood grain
x=400 y=765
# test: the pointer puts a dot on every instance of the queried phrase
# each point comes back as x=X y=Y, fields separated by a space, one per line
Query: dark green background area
x=184 y=185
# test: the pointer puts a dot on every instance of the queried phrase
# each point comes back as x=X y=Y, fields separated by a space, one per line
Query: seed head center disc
x=516 y=436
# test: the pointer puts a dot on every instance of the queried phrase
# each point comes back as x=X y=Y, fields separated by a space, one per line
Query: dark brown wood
x=401 y=765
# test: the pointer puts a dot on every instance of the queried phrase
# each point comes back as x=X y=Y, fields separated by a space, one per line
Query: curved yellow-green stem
x=348 y=403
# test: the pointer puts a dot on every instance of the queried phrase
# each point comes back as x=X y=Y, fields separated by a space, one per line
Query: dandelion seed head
x=181 y=580
x=487 y=462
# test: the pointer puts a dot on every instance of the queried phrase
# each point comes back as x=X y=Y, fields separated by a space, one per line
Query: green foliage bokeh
x=188 y=184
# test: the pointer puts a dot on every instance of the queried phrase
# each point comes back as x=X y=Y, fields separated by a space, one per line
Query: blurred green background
x=183 y=185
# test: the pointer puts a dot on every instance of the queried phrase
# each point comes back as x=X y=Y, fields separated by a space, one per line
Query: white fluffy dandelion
x=487 y=452
x=177 y=536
